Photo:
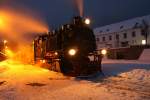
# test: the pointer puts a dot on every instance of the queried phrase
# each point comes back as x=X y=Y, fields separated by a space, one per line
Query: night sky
x=102 y=12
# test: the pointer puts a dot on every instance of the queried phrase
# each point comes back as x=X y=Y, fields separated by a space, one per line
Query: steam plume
x=17 y=27
x=80 y=5
x=15 y=24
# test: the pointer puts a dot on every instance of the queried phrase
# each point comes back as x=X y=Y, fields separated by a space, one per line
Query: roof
x=123 y=25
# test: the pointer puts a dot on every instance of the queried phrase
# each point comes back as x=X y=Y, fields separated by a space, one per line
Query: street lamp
x=1 y=22
x=5 y=41
x=104 y=51
x=143 y=42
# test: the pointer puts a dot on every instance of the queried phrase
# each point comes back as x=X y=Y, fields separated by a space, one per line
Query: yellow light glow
x=22 y=72
x=5 y=41
x=104 y=52
x=1 y=22
x=143 y=42
x=25 y=23
x=87 y=21
x=6 y=47
x=43 y=61
x=72 y=52
x=56 y=53
x=8 y=52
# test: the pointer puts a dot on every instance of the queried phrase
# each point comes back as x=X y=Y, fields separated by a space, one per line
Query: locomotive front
x=69 y=49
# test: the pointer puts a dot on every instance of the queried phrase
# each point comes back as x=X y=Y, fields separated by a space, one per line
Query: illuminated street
x=28 y=82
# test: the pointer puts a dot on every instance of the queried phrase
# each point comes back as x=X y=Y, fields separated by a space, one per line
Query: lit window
x=143 y=42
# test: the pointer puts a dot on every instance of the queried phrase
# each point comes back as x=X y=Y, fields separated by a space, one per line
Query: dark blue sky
x=102 y=12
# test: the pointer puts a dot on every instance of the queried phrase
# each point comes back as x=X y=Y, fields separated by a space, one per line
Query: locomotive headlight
x=87 y=21
x=72 y=52
x=56 y=53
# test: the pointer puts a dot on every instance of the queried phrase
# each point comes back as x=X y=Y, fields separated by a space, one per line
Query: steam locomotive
x=70 y=50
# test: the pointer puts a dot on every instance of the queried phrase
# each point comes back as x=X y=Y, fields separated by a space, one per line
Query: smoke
x=80 y=4
x=18 y=27
x=14 y=25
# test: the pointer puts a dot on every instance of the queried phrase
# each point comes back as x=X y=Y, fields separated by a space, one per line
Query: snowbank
x=145 y=56
x=124 y=81
x=137 y=75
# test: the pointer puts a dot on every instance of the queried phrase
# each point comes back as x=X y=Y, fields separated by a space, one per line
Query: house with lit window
x=124 y=34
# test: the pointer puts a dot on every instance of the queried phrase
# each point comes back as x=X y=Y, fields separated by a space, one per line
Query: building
x=124 y=34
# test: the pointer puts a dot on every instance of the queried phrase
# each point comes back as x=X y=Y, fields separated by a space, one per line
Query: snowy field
x=123 y=80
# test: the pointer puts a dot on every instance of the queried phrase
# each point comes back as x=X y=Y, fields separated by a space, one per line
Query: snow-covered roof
x=123 y=25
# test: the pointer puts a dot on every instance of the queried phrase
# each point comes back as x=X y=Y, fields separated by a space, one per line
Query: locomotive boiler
x=71 y=49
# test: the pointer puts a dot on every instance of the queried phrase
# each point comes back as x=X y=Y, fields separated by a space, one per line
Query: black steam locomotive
x=70 y=49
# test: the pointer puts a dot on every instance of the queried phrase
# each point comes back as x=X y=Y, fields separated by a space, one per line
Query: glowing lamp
x=72 y=52
x=1 y=22
x=56 y=53
x=5 y=41
x=87 y=21
x=6 y=47
x=104 y=52
x=143 y=42
x=43 y=61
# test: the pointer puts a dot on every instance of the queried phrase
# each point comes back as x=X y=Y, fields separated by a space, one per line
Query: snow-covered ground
x=123 y=80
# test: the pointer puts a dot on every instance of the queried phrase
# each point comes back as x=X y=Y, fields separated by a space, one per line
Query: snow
x=123 y=80
x=127 y=24
x=145 y=56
